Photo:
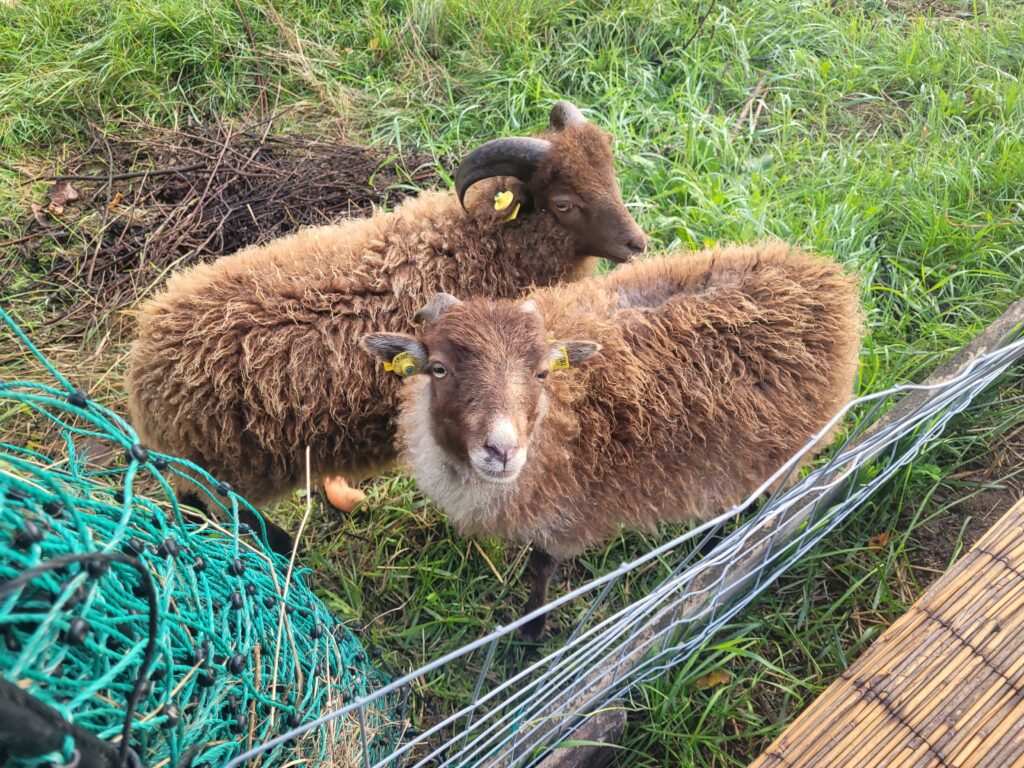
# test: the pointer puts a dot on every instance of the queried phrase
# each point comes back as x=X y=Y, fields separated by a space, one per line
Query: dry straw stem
x=940 y=687
x=337 y=744
x=757 y=95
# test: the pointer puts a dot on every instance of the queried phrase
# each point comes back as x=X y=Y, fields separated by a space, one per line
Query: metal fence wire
x=517 y=721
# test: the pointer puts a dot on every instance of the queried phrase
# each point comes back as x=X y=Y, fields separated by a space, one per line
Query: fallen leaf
x=55 y=209
x=878 y=541
x=115 y=202
x=97 y=454
x=718 y=677
x=62 y=193
x=37 y=211
x=374 y=44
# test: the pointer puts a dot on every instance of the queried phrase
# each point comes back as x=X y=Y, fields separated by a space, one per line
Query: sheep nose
x=637 y=246
x=501 y=452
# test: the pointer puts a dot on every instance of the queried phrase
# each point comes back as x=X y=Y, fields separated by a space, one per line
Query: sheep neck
x=532 y=251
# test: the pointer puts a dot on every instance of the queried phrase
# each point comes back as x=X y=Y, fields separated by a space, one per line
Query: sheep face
x=569 y=175
x=487 y=364
x=578 y=187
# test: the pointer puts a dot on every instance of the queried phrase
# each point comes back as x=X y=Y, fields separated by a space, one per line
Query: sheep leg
x=710 y=542
x=541 y=568
x=278 y=538
x=341 y=495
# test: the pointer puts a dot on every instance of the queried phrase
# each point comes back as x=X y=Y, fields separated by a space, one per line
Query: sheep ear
x=392 y=347
x=564 y=114
x=569 y=354
x=437 y=306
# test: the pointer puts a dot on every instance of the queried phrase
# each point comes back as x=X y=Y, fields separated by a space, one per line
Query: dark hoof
x=533 y=629
x=279 y=540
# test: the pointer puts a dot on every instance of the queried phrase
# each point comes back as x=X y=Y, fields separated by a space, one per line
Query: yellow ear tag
x=403 y=364
x=503 y=200
x=561 y=363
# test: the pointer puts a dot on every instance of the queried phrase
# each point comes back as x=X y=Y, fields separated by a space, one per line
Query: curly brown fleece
x=714 y=369
x=241 y=363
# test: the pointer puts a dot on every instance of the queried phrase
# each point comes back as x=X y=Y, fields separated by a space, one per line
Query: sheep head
x=486 y=364
x=569 y=174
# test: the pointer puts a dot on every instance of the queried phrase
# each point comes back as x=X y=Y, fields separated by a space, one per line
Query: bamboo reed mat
x=943 y=686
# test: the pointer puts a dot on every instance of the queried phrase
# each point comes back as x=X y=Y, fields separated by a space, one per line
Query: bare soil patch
x=992 y=484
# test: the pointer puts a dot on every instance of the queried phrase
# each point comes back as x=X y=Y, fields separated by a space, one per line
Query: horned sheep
x=241 y=363
x=698 y=377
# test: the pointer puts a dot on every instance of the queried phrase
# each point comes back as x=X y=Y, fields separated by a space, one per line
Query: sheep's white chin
x=491 y=471
x=501 y=477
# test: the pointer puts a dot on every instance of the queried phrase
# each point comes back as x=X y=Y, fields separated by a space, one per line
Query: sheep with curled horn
x=665 y=391
x=241 y=363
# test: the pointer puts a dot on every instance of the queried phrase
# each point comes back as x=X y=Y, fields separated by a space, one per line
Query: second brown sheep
x=698 y=377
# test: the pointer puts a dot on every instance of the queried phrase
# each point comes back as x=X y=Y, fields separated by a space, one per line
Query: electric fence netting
x=138 y=632
x=323 y=678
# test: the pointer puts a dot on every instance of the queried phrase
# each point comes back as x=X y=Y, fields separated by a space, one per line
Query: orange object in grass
x=341 y=494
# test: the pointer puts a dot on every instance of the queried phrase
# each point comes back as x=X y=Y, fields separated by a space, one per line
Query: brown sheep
x=699 y=376
x=241 y=363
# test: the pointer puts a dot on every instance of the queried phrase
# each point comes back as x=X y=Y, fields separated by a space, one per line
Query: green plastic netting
x=133 y=616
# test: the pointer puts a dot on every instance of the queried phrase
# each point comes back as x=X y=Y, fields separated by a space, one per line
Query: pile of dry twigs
x=140 y=203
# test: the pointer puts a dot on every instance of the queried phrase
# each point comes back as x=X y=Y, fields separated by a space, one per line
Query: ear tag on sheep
x=403 y=364
x=561 y=363
x=503 y=200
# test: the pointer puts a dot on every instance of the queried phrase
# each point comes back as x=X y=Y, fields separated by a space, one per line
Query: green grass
x=891 y=137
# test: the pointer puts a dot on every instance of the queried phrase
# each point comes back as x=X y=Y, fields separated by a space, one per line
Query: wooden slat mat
x=943 y=686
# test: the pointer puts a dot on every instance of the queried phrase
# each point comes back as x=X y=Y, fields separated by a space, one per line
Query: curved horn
x=436 y=307
x=564 y=114
x=516 y=156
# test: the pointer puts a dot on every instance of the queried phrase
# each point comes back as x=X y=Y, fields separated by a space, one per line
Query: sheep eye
x=438 y=371
x=563 y=206
x=542 y=375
